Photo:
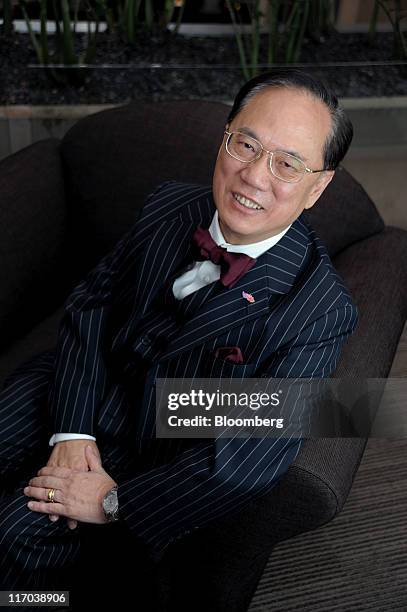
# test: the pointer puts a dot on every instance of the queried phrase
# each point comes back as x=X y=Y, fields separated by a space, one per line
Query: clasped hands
x=75 y=471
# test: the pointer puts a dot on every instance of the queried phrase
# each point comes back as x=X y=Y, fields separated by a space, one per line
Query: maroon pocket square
x=229 y=353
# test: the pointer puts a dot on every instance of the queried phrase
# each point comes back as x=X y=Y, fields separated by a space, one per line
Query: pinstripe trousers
x=28 y=541
x=32 y=548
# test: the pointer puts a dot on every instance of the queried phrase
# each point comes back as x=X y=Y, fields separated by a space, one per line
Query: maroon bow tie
x=232 y=265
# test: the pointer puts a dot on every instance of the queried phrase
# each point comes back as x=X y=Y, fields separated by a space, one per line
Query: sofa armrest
x=312 y=492
x=309 y=495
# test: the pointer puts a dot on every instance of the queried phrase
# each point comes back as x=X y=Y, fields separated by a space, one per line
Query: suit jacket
x=296 y=327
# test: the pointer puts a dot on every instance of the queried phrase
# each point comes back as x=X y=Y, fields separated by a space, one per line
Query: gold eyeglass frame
x=270 y=153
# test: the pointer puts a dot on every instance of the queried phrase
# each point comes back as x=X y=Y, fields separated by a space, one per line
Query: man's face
x=282 y=119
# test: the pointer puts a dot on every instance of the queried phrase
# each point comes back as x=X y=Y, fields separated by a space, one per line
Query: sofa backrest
x=115 y=158
x=32 y=233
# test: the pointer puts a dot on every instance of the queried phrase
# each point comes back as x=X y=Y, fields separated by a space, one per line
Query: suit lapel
x=287 y=259
x=166 y=253
x=170 y=248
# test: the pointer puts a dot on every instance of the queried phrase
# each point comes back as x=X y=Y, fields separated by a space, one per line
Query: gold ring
x=51 y=495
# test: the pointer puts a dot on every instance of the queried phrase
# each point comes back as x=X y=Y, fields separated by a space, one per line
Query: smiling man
x=227 y=281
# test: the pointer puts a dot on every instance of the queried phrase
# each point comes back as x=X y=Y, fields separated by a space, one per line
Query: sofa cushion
x=32 y=231
x=344 y=213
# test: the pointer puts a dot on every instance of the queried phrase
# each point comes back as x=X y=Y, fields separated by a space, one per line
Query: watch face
x=110 y=502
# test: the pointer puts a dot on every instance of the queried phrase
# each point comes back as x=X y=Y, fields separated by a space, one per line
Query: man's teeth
x=246 y=202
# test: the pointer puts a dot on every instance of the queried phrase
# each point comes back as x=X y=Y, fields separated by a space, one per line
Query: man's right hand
x=71 y=454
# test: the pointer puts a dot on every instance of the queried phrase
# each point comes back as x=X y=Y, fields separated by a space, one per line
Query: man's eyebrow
x=249 y=132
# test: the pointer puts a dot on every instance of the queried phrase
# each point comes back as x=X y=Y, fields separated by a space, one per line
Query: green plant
x=63 y=54
x=273 y=10
x=320 y=19
x=135 y=14
x=294 y=28
x=287 y=23
x=248 y=46
x=128 y=18
x=395 y=14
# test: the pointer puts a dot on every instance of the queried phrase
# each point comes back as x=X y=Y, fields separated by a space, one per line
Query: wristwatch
x=110 y=505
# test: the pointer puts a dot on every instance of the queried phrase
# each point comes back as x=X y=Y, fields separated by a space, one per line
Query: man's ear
x=321 y=184
x=221 y=144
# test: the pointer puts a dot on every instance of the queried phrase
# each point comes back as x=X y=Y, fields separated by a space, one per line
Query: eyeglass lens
x=247 y=149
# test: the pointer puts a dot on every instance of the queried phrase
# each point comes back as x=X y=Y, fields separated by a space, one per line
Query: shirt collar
x=253 y=250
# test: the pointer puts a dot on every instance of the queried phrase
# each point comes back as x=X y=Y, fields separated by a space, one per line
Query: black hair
x=340 y=136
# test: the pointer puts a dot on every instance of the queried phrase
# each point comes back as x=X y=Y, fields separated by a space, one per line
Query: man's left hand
x=78 y=495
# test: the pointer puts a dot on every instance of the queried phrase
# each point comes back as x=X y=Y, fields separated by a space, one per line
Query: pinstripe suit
x=115 y=340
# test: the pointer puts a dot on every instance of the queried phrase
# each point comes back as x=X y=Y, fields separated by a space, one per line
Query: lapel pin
x=248 y=297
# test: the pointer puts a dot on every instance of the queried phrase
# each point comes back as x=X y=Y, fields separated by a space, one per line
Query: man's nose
x=258 y=173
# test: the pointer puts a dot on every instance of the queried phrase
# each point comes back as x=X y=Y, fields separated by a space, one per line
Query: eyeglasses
x=283 y=166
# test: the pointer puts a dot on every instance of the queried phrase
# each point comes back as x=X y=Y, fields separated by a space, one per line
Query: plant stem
x=36 y=45
x=293 y=19
x=68 y=46
x=168 y=11
x=44 y=37
x=255 y=39
x=273 y=10
x=373 y=23
x=400 y=41
x=238 y=36
x=149 y=14
x=179 y=18
x=300 y=36
x=75 y=14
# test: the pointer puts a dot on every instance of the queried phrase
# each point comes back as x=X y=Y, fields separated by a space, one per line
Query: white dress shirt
x=198 y=275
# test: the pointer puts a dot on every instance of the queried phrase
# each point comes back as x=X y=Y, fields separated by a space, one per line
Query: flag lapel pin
x=248 y=297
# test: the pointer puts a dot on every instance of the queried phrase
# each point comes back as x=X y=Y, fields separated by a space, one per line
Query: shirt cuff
x=61 y=437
